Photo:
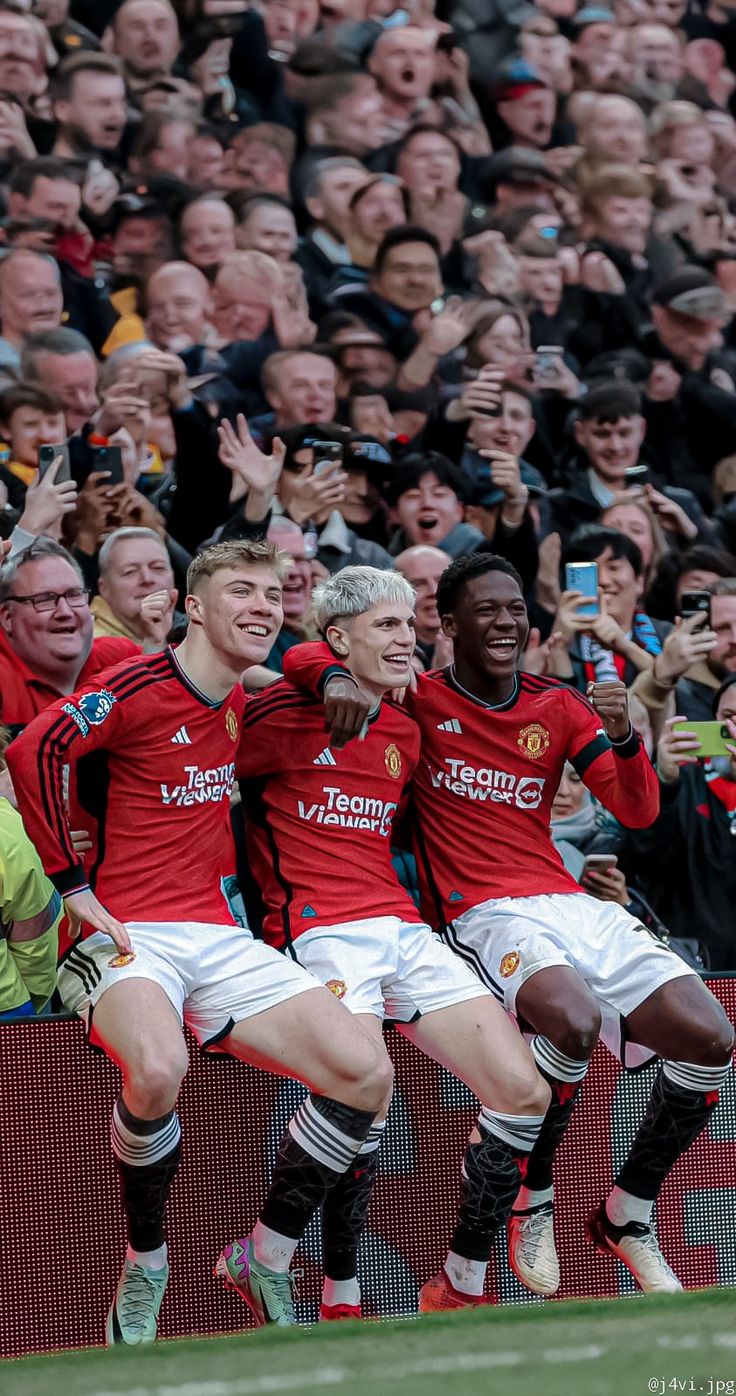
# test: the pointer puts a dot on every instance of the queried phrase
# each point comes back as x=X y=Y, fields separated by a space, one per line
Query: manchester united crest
x=509 y=964
x=533 y=740
x=392 y=758
x=338 y=987
x=126 y=957
x=231 y=722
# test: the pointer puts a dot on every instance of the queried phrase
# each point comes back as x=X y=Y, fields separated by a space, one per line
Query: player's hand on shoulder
x=346 y=709
x=611 y=702
x=83 y=908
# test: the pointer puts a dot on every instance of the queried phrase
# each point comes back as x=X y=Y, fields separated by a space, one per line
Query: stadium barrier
x=62 y=1232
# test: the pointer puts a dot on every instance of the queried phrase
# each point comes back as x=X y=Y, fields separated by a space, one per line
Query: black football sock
x=320 y=1143
x=147 y=1155
x=492 y=1172
x=682 y=1100
x=345 y=1210
x=565 y=1076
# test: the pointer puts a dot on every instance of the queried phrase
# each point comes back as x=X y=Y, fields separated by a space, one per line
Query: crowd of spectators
x=387 y=281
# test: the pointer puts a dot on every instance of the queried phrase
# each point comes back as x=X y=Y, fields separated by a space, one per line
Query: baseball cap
x=593 y=14
x=694 y=293
x=514 y=78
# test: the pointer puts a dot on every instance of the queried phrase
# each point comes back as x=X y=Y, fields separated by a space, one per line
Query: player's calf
x=682 y=1101
x=344 y=1216
x=494 y=1165
x=320 y=1143
x=531 y=1239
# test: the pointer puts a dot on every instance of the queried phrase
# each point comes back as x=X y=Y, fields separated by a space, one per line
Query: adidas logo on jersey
x=452 y=725
x=182 y=737
x=325 y=758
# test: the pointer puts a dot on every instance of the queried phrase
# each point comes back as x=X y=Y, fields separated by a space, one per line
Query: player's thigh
x=510 y=939
x=136 y=1025
x=478 y=1042
x=682 y=1021
x=558 y=1005
x=314 y=1039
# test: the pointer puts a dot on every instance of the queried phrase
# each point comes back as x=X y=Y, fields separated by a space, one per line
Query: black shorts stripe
x=94 y=970
x=80 y=975
x=472 y=960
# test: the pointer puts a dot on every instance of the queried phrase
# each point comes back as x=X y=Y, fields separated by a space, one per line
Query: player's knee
x=524 y=1092
x=369 y=1076
x=154 y=1079
x=712 y=1039
x=577 y=1035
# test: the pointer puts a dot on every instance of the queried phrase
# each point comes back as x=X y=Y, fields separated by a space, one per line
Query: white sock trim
x=623 y=1207
x=140 y=1150
x=469 y=1276
x=323 y=1140
x=701 y=1079
x=375 y=1135
x=272 y=1249
x=518 y=1131
x=150 y=1260
x=554 y=1062
x=341 y=1292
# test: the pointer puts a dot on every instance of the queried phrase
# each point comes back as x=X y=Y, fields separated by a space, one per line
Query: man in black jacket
x=694 y=837
x=609 y=431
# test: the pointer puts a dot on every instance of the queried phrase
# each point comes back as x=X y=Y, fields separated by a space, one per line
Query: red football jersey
x=319 y=821
x=155 y=765
x=486 y=779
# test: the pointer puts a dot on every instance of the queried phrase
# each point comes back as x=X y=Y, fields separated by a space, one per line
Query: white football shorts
x=508 y=940
x=212 y=975
x=387 y=967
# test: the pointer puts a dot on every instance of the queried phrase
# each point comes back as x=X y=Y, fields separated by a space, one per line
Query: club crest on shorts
x=125 y=957
x=338 y=987
x=533 y=740
x=509 y=964
x=231 y=723
x=392 y=758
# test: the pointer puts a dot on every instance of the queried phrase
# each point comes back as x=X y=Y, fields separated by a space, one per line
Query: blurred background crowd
x=387 y=281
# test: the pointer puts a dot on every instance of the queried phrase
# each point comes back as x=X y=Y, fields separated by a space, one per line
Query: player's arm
x=36 y=761
x=609 y=756
x=314 y=667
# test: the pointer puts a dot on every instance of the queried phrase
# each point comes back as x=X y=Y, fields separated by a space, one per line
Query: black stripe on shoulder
x=134 y=670
x=126 y=687
x=540 y=683
x=589 y=753
x=258 y=710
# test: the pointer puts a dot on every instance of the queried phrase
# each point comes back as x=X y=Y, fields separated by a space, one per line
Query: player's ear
x=449 y=628
x=193 y=608
x=337 y=639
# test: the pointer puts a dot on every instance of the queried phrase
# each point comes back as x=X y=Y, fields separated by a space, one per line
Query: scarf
x=576 y=828
x=602 y=666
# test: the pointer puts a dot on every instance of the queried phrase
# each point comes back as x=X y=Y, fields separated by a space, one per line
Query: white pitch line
x=341 y=1376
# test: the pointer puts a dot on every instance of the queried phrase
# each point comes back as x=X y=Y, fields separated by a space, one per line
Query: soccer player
x=155 y=741
x=494 y=743
x=320 y=826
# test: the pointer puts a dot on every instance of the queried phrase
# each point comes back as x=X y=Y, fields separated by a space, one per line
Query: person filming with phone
x=694 y=835
x=604 y=632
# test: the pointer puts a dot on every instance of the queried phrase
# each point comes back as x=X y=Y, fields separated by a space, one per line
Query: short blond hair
x=236 y=553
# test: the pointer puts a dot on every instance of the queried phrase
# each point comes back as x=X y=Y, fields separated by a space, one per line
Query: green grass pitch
x=631 y=1347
